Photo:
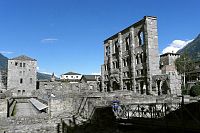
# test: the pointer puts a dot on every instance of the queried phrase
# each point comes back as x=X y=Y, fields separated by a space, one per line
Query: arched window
x=127 y=43
x=115 y=46
x=141 y=38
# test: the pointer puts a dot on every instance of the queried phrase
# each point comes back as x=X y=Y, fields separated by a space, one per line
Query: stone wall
x=3 y=108
x=36 y=124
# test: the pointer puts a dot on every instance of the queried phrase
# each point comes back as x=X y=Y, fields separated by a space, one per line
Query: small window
x=127 y=43
x=23 y=91
x=16 y=63
x=113 y=65
x=107 y=50
x=21 y=81
x=116 y=47
x=20 y=65
x=76 y=76
x=137 y=72
x=18 y=92
x=20 y=73
x=71 y=76
x=142 y=72
x=31 y=80
x=24 y=64
x=141 y=38
x=117 y=64
x=128 y=74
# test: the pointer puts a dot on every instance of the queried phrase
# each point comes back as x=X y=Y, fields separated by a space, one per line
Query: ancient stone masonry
x=131 y=59
x=168 y=68
x=21 y=75
x=3 y=80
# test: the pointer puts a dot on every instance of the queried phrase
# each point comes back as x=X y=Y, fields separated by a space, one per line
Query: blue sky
x=68 y=35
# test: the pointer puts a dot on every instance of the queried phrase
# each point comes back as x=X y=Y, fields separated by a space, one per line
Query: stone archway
x=127 y=85
x=108 y=87
x=115 y=86
x=165 y=88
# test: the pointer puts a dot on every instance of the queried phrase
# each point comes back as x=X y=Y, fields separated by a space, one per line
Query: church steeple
x=53 y=78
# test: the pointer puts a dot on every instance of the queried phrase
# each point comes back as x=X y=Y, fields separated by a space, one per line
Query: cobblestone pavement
x=25 y=109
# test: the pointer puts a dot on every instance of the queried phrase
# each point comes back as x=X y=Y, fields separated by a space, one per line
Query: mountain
x=192 y=49
x=4 y=63
x=43 y=76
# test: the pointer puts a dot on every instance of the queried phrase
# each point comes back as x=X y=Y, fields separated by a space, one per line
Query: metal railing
x=145 y=110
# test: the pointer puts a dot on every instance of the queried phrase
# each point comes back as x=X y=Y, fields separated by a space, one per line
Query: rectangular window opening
x=16 y=63
x=21 y=81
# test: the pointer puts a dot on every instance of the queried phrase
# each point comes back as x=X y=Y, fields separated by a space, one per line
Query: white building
x=72 y=77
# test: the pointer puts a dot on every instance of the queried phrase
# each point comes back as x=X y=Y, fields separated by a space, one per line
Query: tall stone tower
x=22 y=74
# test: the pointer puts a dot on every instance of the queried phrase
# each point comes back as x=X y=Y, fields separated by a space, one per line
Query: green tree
x=195 y=90
x=184 y=64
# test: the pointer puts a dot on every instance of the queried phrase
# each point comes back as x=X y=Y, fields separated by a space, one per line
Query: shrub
x=195 y=90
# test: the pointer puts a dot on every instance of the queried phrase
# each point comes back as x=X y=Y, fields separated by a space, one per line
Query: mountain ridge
x=192 y=49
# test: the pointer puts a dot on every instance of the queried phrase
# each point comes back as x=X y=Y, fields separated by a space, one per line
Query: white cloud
x=38 y=68
x=6 y=52
x=175 y=45
x=49 y=40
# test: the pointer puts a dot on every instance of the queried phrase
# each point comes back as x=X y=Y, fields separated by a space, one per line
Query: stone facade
x=3 y=108
x=3 y=78
x=21 y=75
x=131 y=59
x=167 y=65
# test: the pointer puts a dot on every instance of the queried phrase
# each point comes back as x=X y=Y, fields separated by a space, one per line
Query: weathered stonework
x=21 y=75
x=168 y=68
x=3 y=108
x=131 y=60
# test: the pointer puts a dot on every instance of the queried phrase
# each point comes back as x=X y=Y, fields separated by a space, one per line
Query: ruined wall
x=175 y=83
x=3 y=108
x=131 y=58
x=60 y=105
x=34 y=124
